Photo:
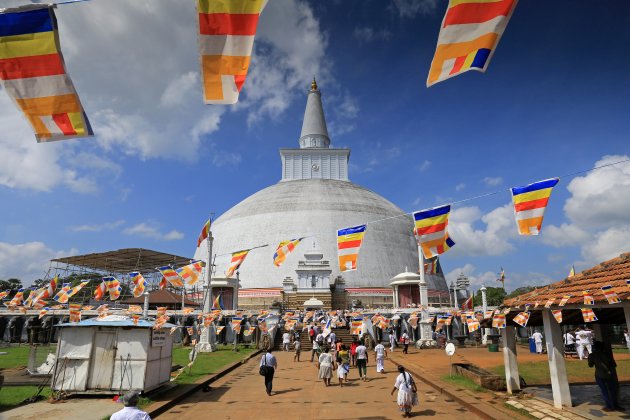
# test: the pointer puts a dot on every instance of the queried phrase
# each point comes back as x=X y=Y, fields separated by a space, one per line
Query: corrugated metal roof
x=125 y=260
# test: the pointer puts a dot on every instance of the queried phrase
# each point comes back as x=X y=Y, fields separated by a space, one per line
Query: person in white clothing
x=581 y=337
x=626 y=337
x=381 y=354
x=286 y=341
x=569 y=342
x=407 y=392
x=362 y=360
x=392 y=340
x=538 y=340
x=130 y=412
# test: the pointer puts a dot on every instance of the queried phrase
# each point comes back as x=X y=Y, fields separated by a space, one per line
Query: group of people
x=580 y=341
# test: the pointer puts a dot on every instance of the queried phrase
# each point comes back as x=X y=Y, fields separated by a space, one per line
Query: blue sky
x=553 y=101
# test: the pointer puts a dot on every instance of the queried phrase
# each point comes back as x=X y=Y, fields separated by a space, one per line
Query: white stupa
x=314 y=199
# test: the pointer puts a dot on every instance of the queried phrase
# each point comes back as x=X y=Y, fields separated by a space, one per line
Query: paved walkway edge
x=158 y=408
x=467 y=402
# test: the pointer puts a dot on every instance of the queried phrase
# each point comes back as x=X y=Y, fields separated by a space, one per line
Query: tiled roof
x=615 y=272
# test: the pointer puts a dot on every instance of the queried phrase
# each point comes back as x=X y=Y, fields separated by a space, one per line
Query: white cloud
x=28 y=261
x=426 y=164
x=599 y=213
x=477 y=280
x=460 y=186
x=98 y=227
x=368 y=34
x=411 y=8
x=149 y=230
x=489 y=278
x=471 y=240
x=491 y=181
x=416 y=201
x=181 y=87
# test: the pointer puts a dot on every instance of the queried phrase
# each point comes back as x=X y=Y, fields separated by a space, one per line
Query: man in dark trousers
x=605 y=375
x=269 y=360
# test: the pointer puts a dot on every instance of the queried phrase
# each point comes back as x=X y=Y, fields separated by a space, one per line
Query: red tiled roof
x=615 y=272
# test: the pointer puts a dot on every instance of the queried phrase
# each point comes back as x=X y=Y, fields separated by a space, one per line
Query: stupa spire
x=314 y=132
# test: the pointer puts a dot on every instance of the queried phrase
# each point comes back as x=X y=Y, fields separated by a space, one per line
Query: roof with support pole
x=125 y=260
x=614 y=272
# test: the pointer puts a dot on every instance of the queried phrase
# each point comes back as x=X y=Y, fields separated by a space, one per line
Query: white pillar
x=509 y=359
x=484 y=308
x=557 y=368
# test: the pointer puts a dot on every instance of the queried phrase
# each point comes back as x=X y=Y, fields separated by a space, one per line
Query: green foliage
x=12 y=396
x=463 y=382
x=495 y=296
x=207 y=363
x=520 y=291
x=10 y=284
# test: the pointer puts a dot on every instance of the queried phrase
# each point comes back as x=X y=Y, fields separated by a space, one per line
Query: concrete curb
x=468 y=402
x=158 y=408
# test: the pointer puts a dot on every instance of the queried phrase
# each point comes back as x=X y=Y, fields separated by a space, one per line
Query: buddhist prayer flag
x=473 y=324
x=488 y=314
x=4 y=294
x=139 y=283
x=349 y=242
x=441 y=321
x=76 y=288
x=356 y=326
x=159 y=322
x=249 y=331
x=205 y=232
x=384 y=323
x=75 y=312
x=219 y=329
x=163 y=283
x=31 y=297
x=610 y=294
x=34 y=75
x=413 y=321
x=536 y=304
x=218 y=302
x=521 y=318
x=572 y=272
x=588 y=298
x=530 y=203
x=557 y=314
x=469 y=35
x=549 y=302
x=135 y=318
x=284 y=248
x=449 y=320
x=237 y=259
x=207 y=320
x=430 y=266
x=498 y=321
x=191 y=273
x=188 y=311
x=49 y=291
x=87 y=307
x=226 y=39
x=100 y=291
x=263 y=327
x=17 y=299
x=588 y=315
x=43 y=312
x=161 y=311
x=134 y=309
x=430 y=228
x=62 y=295
x=39 y=304
x=564 y=300
x=113 y=287
x=190 y=331
x=171 y=276
x=236 y=324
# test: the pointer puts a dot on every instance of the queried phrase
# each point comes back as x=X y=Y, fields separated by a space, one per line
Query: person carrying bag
x=268 y=366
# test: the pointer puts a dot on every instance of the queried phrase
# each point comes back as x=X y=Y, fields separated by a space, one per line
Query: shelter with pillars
x=614 y=273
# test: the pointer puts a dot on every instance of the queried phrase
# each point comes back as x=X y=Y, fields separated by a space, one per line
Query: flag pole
x=205 y=344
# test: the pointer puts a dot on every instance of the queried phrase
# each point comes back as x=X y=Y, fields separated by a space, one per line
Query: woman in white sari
x=407 y=392
x=326 y=366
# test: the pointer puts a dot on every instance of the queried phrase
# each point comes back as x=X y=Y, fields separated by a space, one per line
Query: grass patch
x=537 y=373
x=463 y=382
x=520 y=411
x=207 y=363
x=17 y=356
x=13 y=396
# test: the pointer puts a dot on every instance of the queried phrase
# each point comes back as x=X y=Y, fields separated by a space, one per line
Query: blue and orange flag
x=226 y=39
x=113 y=287
x=17 y=299
x=468 y=37
x=171 y=276
x=349 y=242
x=139 y=283
x=430 y=228
x=62 y=295
x=205 y=232
x=191 y=273
x=284 y=248
x=34 y=75
x=218 y=302
x=530 y=203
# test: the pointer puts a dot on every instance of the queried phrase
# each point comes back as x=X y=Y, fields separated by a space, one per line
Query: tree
x=520 y=291
x=11 y=284
x=494 y=295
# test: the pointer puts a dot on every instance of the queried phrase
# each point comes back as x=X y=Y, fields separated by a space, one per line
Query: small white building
x=112 y=355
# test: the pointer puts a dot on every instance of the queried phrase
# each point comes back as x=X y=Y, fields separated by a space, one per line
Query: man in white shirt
x=286 y=340
x=392 y=340
x=130 y=412
x=581 y=341
x=538 y=340
x=381 y=354
x=314 y=349
x=626 y=336
x=569 y=342
x=362 y=360
x=269 y=360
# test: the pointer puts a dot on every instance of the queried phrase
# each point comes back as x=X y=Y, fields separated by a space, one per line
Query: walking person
x=325 y=366
x=315 y=349
x=353 y=351
x=286 y=340
x=392 y=340
x=407 y=392
x=344 y=356
x=405 y=340
x=298 y=349
x=538 y=340
x=130 y=411
x=605 y=375
x=362 y=361
x=381 y=354
x=268 y=361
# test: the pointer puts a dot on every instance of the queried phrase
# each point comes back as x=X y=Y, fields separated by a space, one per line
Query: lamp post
x=206 y=343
